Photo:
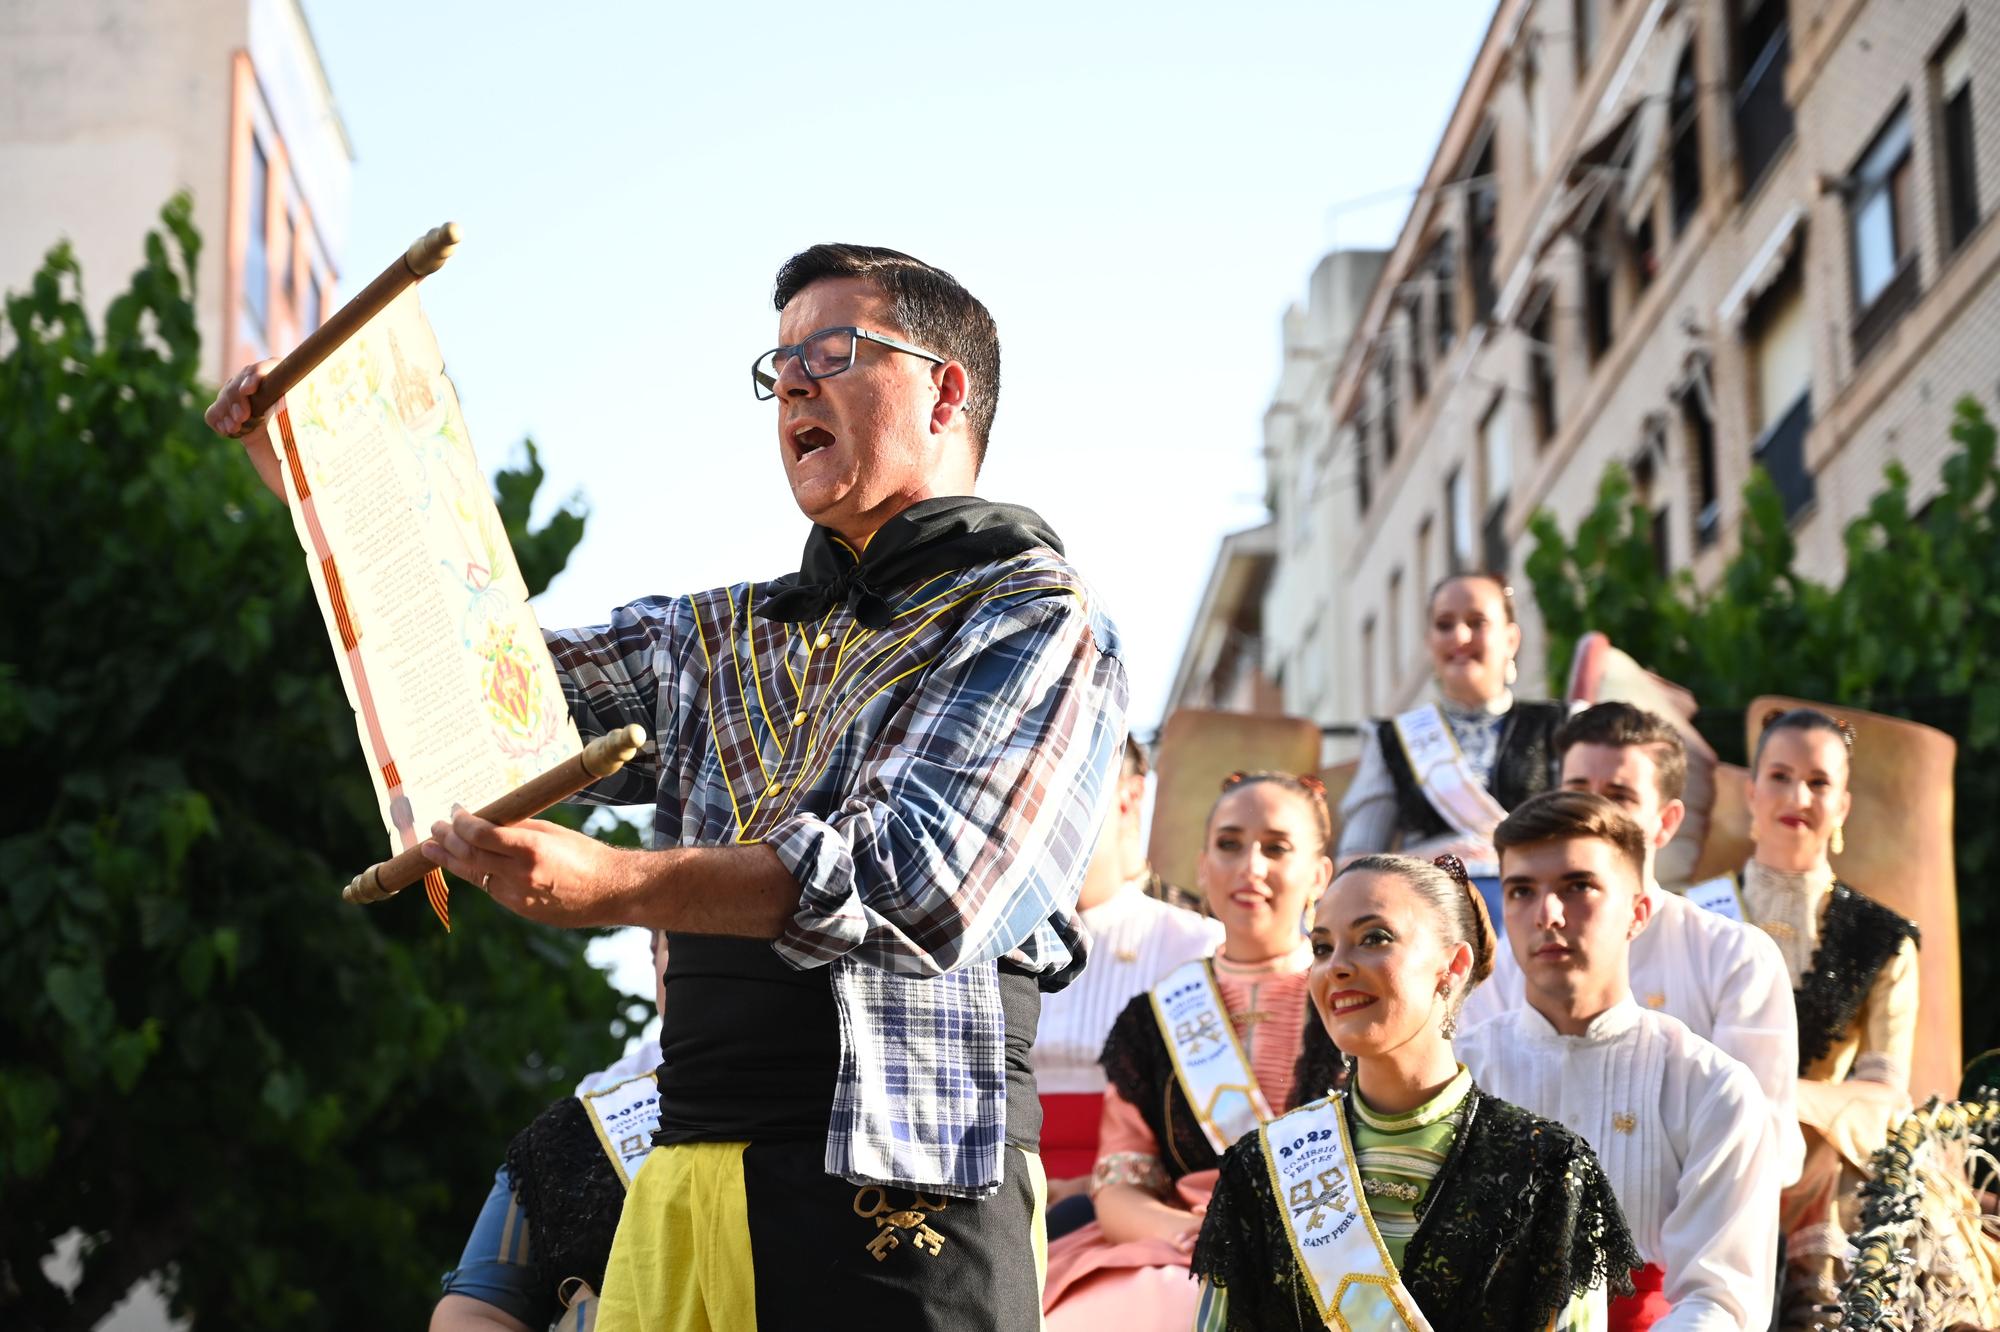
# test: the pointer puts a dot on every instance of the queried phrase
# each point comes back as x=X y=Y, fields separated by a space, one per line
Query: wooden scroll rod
x=599 y=759
x=424 y=257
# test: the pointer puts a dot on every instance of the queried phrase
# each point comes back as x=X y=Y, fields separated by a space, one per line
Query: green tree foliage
x=209 y=1064
x=1911 y=630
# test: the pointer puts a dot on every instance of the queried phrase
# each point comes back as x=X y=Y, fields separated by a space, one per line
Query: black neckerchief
x=930 y=537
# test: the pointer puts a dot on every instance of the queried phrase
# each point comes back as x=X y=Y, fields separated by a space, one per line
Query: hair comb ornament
x=1846 y=729
x=1455 y=867
x=1771 y=719
x=1234 y=779
x=1314 y=785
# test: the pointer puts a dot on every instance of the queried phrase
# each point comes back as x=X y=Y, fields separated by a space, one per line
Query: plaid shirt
x=935 y=786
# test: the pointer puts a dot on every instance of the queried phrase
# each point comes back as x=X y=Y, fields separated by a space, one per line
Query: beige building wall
x=107 y=107
x=1728 y=307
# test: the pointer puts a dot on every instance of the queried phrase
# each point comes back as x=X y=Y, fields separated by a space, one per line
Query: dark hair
x=930 y=309
x=1307 y=788
x=1498 y=580
x=1800 y=719
x=1135 y=762
x=1623 y=726
x=1448 y=892
x=1569 y=816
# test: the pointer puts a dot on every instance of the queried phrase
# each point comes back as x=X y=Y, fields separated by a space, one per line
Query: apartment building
x=108 y=107
x=1688 y=236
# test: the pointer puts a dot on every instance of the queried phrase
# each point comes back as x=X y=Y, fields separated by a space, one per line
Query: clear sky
x=1137 y=193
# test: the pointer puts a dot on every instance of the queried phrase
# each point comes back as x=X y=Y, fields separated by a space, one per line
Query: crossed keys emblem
x=890 y=1220
x=1191 y=1035
x=1332 y=1192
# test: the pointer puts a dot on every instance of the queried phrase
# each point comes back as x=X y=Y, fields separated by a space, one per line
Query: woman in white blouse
x=1440 y=776
x=1854 y=966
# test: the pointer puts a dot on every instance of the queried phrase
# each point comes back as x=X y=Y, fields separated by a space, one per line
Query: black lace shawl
x=571 y=1194
x=1519 y=1220
x=1525 y=766
x=1136 y=1061
x=1858 y=937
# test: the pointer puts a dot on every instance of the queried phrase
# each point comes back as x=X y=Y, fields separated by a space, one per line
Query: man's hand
x=549 y=874
x=230 y=412
x=538 y=869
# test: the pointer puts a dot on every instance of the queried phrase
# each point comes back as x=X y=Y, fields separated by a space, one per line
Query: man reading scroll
x=875 y=785
x=453 y=691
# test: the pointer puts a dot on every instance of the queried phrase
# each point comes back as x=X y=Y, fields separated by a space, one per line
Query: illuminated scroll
x=454 y=694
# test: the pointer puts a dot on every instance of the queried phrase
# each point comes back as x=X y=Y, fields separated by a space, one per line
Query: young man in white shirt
x=1683 y=1131
x=1136 y=941
x=1726 y=980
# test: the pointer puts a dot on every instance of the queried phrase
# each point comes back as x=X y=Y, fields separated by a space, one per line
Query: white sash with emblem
x=1334 y=1240
x=1448 y=782
x=625 y=1116
x=1208 y=1059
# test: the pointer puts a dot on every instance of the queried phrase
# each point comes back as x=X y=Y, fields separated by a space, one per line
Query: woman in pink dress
x=1263 y=865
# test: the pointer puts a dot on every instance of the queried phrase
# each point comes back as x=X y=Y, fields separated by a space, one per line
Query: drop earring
x=1839 y=842
x=1513 y=672
x=1449 y=1027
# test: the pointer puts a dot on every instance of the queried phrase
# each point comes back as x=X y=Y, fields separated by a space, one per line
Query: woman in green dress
x=1469 y=1212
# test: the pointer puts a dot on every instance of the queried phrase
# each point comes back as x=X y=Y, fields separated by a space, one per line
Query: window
x=1368 y=649
x=1444 y=295
x=1763 y=117
x=1538 y=122
x=288 y=238
x=1385 y=379
x=256 y=249
x=1881 y=210
x=1482 y=229
x=1462 y=551
x=309 y=320
x=1583 y=23
x=1699 y=426
x=1420 y=376
x=1879 y=214
x=1684 y=136
x=1782 y=355
x=1542 y=371
x=1364 y=487
x=1496 y=450
x=1951 y=76
x=1426 y=534
x=1396 y=655
x=1598 y=275
x=1644 y=253
x=1662 y=538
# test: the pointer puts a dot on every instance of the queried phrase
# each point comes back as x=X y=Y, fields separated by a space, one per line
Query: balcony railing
x=1782 y=453
x=1763 y=117
x=1493 y=552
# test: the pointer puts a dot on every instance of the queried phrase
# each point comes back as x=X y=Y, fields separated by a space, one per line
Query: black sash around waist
x=750 y=1047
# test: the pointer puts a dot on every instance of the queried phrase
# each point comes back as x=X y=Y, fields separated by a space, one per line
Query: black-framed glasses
x=822 y=355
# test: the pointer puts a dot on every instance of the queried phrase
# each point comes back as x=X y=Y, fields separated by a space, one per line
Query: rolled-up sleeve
x=977 y=803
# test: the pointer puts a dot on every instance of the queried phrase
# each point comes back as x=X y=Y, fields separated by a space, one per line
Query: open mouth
x=1791 y=821
x=1342 y=1004
x=1249 y=897
x=810 y=439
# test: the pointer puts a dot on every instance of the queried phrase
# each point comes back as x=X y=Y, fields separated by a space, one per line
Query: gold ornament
x=1839 y=842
